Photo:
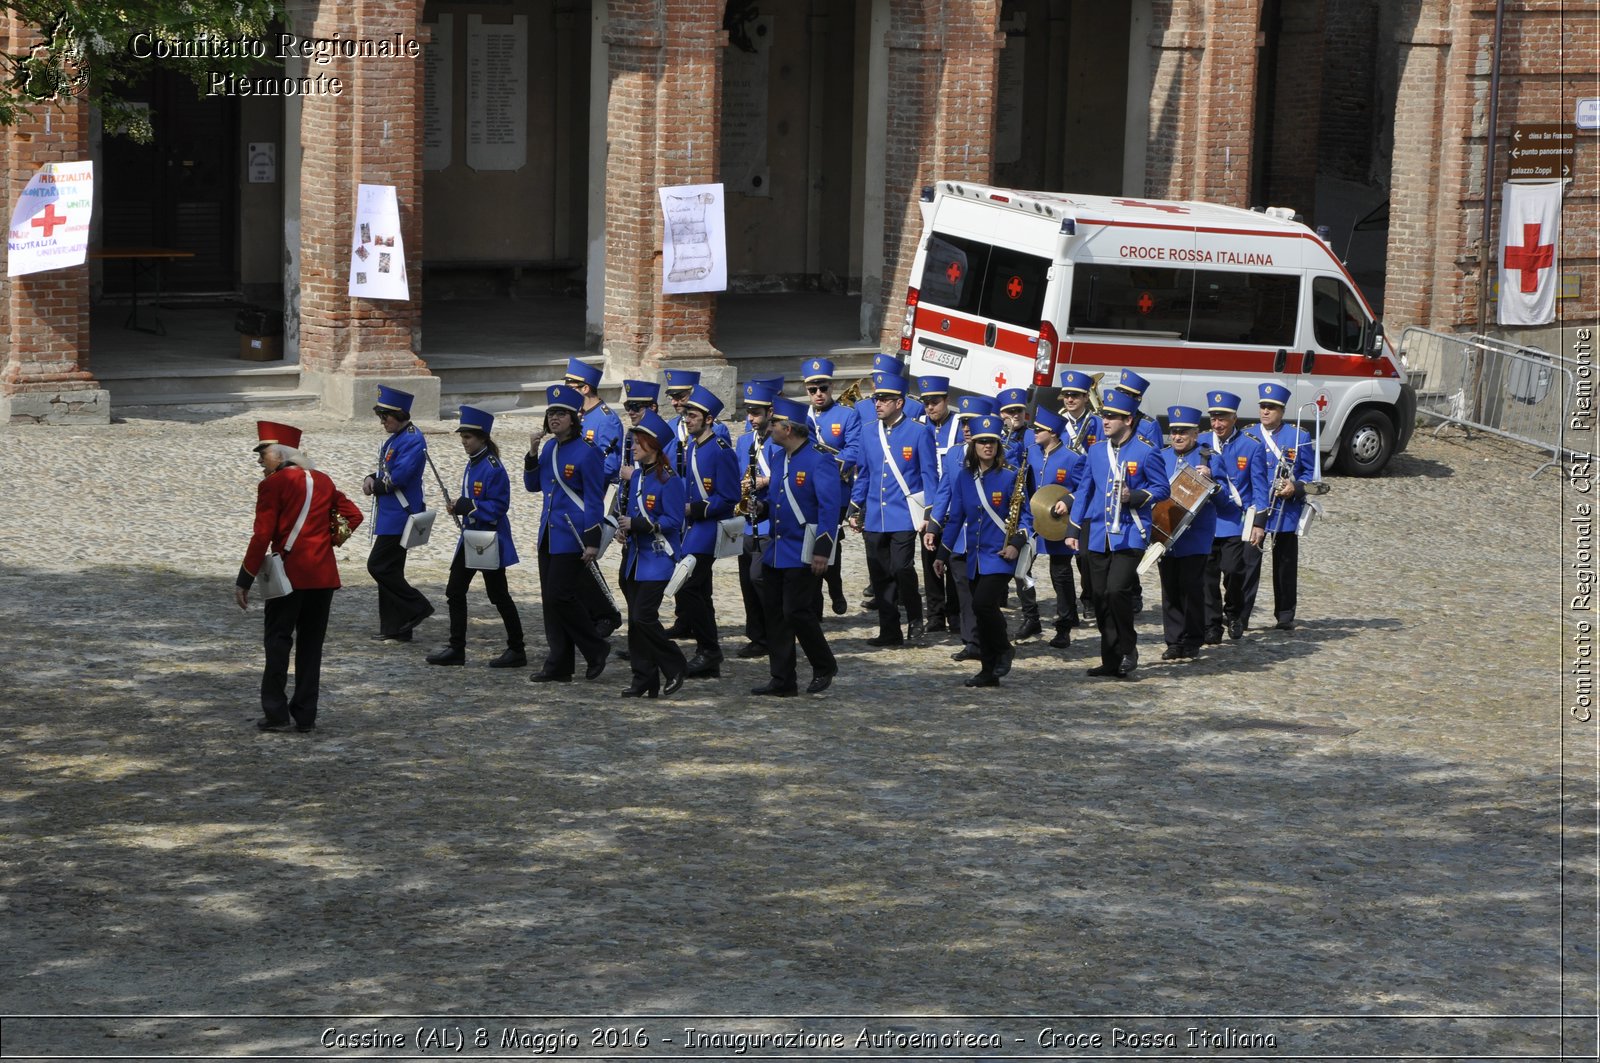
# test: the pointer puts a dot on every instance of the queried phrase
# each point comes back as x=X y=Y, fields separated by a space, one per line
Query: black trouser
x=988 y=591
x=892 y=564
x=401 y=606
x=751 y=574
x=696 y=611
x=789 y=595
x=1285 y=575
x=650 y=653
x=1111 y=579
x=568 y=626
x=1085 y=596
x=957 y=570
x=938 y=592
x=494 y=584
x=1233 y=574
x=1183 y=599
x=299 y=619
x=832 y=578
x=1066 y=593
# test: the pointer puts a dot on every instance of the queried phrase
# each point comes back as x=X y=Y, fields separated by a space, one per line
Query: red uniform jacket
x=279 y=498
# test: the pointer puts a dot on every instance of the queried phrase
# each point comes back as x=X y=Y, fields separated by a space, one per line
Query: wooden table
x=147 y=259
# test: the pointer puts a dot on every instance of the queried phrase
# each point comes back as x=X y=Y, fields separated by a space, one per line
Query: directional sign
x=1548 y=150
x=1589 y=112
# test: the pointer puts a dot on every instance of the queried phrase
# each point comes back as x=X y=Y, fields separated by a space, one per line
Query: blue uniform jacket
x=876 y=490
x=576 y=464
x=399 y=480
x=766 y=456
x=485 y=484
x=1242 y=463
x=602 y=429
x=813 y=478
x=1295 y=446
x=670 y=449
x=1059 y=467
x=984 y=537
x=1093 y=505
x=1149 y=430
x=838 y=428
x=710 y=492
x=1197 y=538
x=655 y=506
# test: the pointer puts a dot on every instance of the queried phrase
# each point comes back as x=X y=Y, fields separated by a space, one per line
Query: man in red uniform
x=295 y=509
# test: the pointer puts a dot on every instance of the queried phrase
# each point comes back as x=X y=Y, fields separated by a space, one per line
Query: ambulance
x=1010 y=288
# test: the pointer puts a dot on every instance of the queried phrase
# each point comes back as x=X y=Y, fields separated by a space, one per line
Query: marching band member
x=1053 y=462
x=753 y=457
x=968 y=407
x=680 y=383
x=1288 y=445
x=637 y=397
x=888 y=505
x=1234 y=567
x=1111 y=503
x=835 y=430
x=867 y=411
x=484 y=504
x=1183 y=563
x=601 y=428
x=939 y=592
x=980 y=499
x=295 y=508
x=397 y=483
x=803 y=503
x=652 y=523
x=711 y=490
x=1013 y=403
x=1145 y=428
x=1081 y=429
x=570 y=474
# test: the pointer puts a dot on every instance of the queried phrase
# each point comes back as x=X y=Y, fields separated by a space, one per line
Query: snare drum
x=1191 y=487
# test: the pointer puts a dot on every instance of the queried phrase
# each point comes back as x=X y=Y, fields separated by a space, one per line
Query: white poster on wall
x=438 y=95
x=497 y=94
x=50 y=222
x=377 y=253
x=693 y=240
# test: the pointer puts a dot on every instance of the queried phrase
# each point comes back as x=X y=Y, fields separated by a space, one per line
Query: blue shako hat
x=1223 y=402
x=788 y=410
x=1049 y=420
x=1076 y=380
x=817 y=369
x=1276 y=394
x=475 y=420
x=757 y=393
x=1132 y=383
x=681 y=379
x=1012 y=398
x=563 y=397
x=651 y=424
x=933 y=385
x=975 y=406
x=640 y=391
x=579 y=370
x=701 y=398
x=1116 y=400
x=988 y=426
x=1184 y=417
x=891 y=384
x=393 y=400
x=889 y=363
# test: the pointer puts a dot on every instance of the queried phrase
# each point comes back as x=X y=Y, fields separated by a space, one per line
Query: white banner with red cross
x=1530 y=239
x=50 y=220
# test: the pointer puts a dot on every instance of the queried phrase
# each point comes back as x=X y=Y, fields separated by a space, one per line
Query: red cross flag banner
x=377 y=251
x=50 y=223
x=1530 y=236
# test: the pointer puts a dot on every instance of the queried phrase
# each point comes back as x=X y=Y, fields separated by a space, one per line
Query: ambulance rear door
x=981 y=294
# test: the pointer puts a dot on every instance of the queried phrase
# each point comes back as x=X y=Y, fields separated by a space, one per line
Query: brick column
x=1297 y=98
x=1418 y=204
x=942 y=68
x=369 y=134
x=1203 y=100
x=44 y=317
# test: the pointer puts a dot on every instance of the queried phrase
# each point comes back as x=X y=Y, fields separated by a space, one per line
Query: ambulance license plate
x=943 y=355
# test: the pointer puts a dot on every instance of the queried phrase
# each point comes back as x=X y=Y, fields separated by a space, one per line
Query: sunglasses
x=818 y=388
x=635 y=407
x=884 y=398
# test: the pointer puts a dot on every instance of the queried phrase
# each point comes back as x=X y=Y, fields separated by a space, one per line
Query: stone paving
x=1362 y=817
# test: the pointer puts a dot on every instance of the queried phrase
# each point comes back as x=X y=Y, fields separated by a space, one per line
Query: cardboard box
x=261 y=348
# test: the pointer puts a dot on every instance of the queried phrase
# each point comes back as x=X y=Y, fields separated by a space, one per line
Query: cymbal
x=1045 y=523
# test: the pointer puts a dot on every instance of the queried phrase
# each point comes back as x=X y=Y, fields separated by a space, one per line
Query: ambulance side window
x=1232 y=307
x=1337 y=318
x=1132 y=298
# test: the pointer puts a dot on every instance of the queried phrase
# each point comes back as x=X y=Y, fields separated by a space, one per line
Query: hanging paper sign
x=693 y=240
x=378 y=254
x=50 y=222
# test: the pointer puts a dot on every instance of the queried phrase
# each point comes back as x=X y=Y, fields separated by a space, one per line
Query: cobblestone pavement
x=1360 y=817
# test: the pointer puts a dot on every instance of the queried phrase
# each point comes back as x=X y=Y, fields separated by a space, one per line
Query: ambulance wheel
x=1367 y=444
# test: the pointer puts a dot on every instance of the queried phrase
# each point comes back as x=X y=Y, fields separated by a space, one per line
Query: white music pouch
x=680 y=574
x=481 y=548
x=418 y=529
x=272 y=580
x=730 y=537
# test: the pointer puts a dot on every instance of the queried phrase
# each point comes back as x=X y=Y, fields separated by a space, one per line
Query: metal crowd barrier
x=1477 y=382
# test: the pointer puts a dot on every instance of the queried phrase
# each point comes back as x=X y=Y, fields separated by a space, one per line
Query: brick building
x=534 y=136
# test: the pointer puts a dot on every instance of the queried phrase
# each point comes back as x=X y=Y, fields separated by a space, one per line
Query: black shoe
x=983 y=679
x=882 y=641
x=605 y=627
x=775 y=689
x=677 y=631
x=1186 y=653
x=1286 y=625
x=915 y=630
x=392 y=636
x=938 y=623
x=305 y=728
x=965 y=653
x=1101 y=670
x=838 y=604
x=1126 y=666
x=640 y=690
x=1027 y=629
x=820 y=682
x=703 y=667
x=1235 y=628
x=1003 y=668
x=592 y=672
x=870 y=604
x=1062 y=640
x=1214 y=636
x=265 y=724
x=448 y=655
x=547 y=676
x=1171 y=653
x=510 y=659
x=410 y=625
x=751 y=650
x=672 y=685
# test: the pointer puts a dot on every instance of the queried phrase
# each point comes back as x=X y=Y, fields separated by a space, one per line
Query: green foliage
x=96 y=51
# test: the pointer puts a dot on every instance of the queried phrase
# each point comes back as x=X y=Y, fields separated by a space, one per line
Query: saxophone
x=747 y=486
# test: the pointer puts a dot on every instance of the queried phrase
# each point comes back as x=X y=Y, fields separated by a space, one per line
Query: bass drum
x=1190 y=489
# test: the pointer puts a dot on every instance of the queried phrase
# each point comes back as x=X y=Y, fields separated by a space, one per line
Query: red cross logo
x=1146 y=304
x=1165 y=208
x=50 y=219
x=1322 y=401
x=1530 y=258
x=1014 y=288
x=954 y=272
x=1000 y=380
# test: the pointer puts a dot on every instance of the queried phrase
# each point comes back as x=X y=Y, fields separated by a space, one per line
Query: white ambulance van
x=1192 y=296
